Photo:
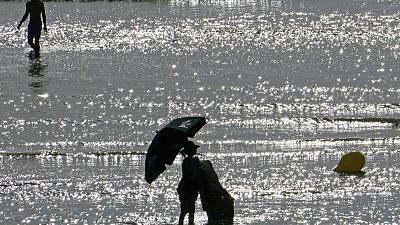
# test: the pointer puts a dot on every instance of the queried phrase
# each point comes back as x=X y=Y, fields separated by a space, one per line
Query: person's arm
x=44 y=18
x=23 y=18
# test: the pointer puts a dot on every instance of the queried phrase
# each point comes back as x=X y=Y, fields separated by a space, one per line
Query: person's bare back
x=35 y=8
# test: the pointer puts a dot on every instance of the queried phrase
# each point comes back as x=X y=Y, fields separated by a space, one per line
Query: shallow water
x=288 y=87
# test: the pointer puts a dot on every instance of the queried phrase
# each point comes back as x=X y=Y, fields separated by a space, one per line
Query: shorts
x=34 y=30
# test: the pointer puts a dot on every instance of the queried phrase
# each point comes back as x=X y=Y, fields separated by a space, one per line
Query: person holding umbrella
x=188 y=188
x=198 y=176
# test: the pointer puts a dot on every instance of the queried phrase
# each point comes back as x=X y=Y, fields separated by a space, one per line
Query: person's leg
x=181 y=217
x=31 y=35
x=38 y=32
x=37 y=45
x=191 y=218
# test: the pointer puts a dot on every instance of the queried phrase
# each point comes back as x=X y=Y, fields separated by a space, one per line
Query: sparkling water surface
x=287 y=87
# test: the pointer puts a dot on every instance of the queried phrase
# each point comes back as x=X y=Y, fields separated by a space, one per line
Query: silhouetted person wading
x=34 y=8
x=187 y=188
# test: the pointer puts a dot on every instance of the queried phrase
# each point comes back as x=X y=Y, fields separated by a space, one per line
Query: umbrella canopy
x=167 y=144
x=189 y=126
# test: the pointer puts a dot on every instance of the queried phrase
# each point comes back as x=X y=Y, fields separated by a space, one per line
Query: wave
x=394 y=121
x=55 y=154
x=352 y=139
x=91 y=0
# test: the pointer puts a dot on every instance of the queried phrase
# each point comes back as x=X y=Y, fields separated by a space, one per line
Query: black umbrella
x=167 y=144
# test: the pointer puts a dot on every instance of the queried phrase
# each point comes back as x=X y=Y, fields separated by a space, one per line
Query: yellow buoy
x=352 y=162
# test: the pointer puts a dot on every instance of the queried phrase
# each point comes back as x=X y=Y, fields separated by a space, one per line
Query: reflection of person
x=187 y=188
x=36 y=68
x=37 y=72
x=34 y=8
